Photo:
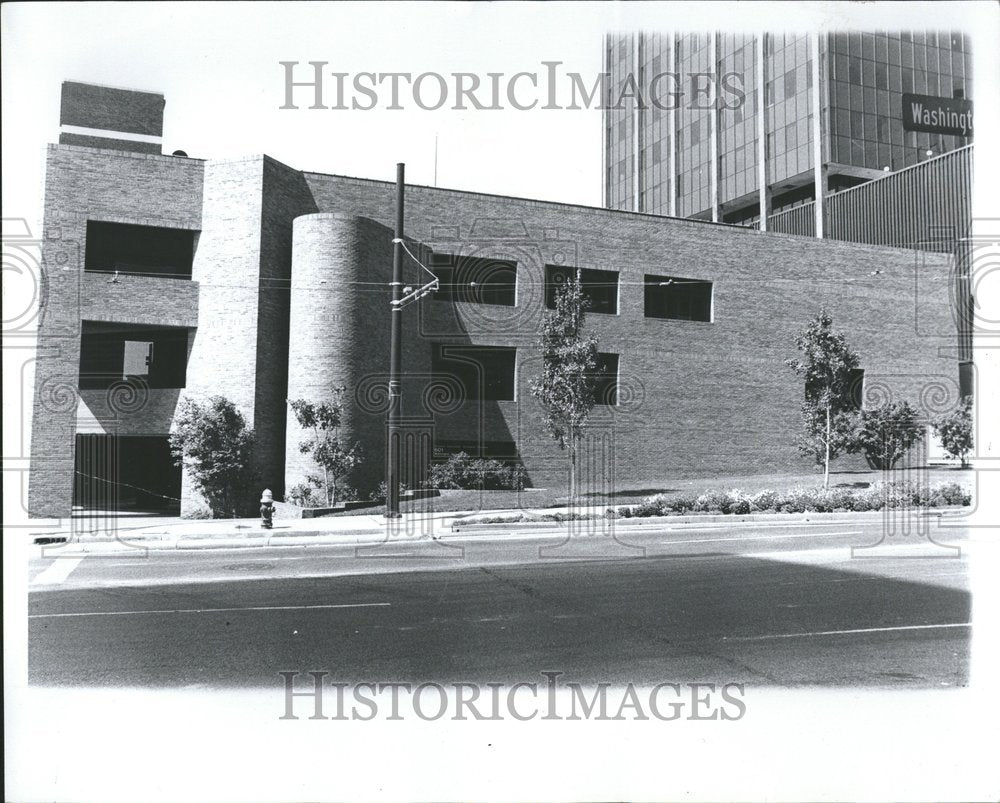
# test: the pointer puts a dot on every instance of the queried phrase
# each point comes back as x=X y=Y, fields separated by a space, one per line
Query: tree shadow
x=630 y=492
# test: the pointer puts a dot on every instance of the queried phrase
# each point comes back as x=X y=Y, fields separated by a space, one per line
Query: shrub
x=712 y=501
x=949 y=494
x=794 y=501
x=651 y=506
x=306 y=494
x=502 y=519
x=380 y=493
x=462 y=471
x=954 y=494
x=885 y=433
x=764 y=500
x=682 y=504
x=213 y=443
x=806 y=500
x=736 y=503
x=955 y=431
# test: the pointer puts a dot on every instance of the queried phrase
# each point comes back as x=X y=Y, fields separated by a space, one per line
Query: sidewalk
x=95 y=534
x=127 y=533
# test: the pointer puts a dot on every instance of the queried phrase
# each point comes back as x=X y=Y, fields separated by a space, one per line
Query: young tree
x=325 y=446
x=955 y=431
x=827 y=412
x=567 y=384
x=213 y=443
x=886 y=432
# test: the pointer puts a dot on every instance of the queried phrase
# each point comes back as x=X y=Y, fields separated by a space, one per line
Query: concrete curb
x=704 y=518
x=127 y=547
x=185 y=539
x=130 y=542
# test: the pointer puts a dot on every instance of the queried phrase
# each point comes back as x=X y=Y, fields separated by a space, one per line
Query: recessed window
x=139 y=250
x=606 y=385
x=475 y=280
x=678 y=299
x=600 y=287
x=482 y=372
x=111 y=353
x=966 y=379
x=504 y=451
x=855 y=389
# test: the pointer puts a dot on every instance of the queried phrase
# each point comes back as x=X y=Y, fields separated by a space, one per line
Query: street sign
x=937 y=115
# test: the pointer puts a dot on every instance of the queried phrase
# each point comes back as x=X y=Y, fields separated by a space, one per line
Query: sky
x=218 y=64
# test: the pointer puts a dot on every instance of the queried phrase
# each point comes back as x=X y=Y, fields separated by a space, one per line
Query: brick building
x=167 y=275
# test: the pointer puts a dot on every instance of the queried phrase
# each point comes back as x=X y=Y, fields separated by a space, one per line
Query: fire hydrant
x=266 y=509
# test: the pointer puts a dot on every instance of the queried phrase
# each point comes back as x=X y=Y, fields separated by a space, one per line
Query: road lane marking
x=849 y=632
x=212 y=610
x=57 y=571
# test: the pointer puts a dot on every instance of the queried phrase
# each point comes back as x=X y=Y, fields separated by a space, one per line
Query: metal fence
x=925 y=207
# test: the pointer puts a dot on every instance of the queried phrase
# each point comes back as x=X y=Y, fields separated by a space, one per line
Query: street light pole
x=395 y=356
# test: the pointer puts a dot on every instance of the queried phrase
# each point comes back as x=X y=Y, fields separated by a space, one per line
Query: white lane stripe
x=849 y=632
x=57 y=571
x=212 y=610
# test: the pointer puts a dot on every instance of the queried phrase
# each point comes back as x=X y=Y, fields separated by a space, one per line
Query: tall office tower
x=670 y=149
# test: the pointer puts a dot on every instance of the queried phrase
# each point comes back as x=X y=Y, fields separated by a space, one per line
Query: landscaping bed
x=877 y=496
x=637 y=492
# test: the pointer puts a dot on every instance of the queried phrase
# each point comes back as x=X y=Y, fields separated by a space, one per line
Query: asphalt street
x=784 y=604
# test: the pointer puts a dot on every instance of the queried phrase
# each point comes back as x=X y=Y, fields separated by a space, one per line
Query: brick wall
x=110 y=108
x=698 y=398
x=287 y=309
x=87 y=184
x=125 y=111
x=287 y=197
x=340 y=334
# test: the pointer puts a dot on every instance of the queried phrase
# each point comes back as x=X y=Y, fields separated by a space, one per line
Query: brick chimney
x=107 y=117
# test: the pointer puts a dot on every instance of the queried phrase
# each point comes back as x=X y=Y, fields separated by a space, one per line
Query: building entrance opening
x=126 y=474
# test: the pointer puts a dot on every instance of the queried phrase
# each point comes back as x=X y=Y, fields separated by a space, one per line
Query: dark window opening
x=112 y=352
x=119 y=473
x=139 y=250
x=482 y=372
x=476 y=280
x=674 y=298
x=606 y=380
x=966 y=379
x=855 y=389
x=504 y=451
x=600 y=287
